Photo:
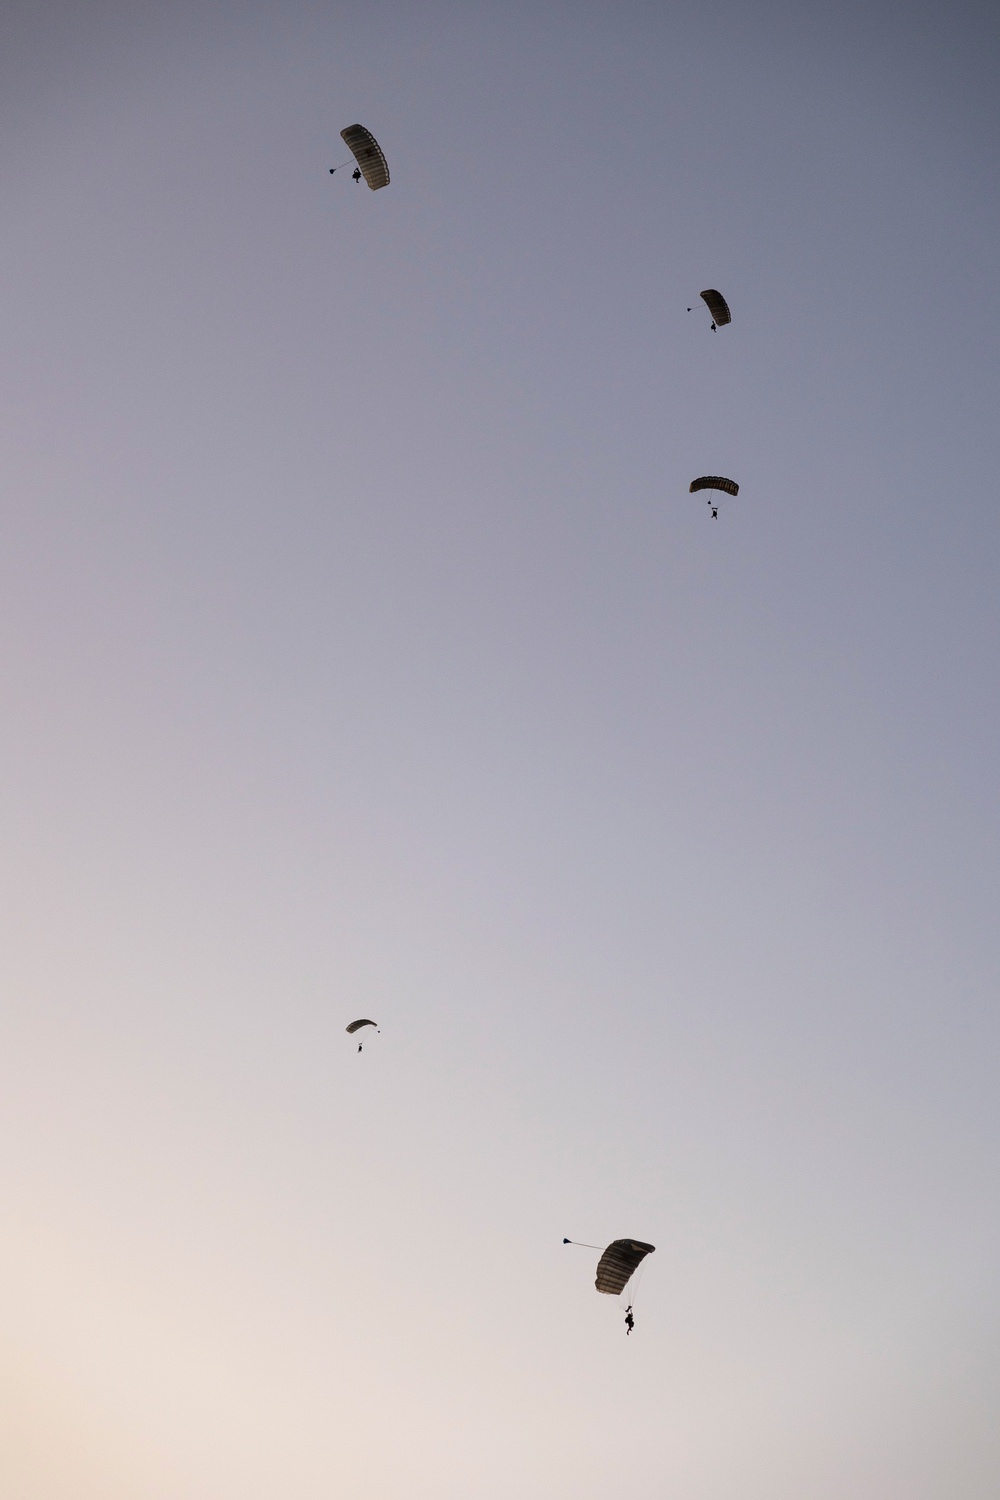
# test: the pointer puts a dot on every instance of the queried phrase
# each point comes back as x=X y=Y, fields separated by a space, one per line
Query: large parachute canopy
x=713 y=482
x=368 y=154
x=357 y=1025
x=616 y=1265
x=717 y=306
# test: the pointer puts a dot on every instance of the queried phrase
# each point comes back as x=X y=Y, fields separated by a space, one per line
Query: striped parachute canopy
x=616 y=1265
x=368 y=153
x=713 y=482
x=717 y=306
x=357 y=1025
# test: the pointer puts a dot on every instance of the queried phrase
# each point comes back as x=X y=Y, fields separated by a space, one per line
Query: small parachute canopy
x=368 y=153
x=616 y=1265
x=713 y=482
x=357 y=1025
x=716 y=304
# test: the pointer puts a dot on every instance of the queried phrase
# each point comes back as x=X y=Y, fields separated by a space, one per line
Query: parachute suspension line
x=339 y=165
x=635 y=1285
x=582 y=1245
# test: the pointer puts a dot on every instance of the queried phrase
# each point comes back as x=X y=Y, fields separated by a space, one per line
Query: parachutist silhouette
x=713 y=482
x=368 y=154
x=360 y=1045
x=629 y=1320
x=718 y=307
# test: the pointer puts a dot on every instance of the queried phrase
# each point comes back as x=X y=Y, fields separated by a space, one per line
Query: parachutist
x=629 y=1320
x=713 y=482
x=718 y=307
x=356 y=1026
x=371 y=162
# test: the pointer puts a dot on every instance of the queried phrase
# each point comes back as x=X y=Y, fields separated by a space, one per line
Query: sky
x=363 y=653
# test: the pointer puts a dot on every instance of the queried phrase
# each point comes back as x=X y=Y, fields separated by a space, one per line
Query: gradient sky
x=363 y=652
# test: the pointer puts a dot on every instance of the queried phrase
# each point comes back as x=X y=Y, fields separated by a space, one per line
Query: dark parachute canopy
x=368 y=154
x=717 y=306
x=713 y=482
x=616 y=1265
x=357 y=1025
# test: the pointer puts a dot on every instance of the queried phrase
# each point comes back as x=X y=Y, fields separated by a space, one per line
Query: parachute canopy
x=368 y=154
x=618 y=1262
x=357 y=1025
x=713 y=482
x=714 y=301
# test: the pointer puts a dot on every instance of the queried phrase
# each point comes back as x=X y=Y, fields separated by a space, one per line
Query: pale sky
x=363 y=653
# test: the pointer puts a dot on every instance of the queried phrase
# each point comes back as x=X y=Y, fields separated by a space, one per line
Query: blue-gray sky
x=363 y=652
